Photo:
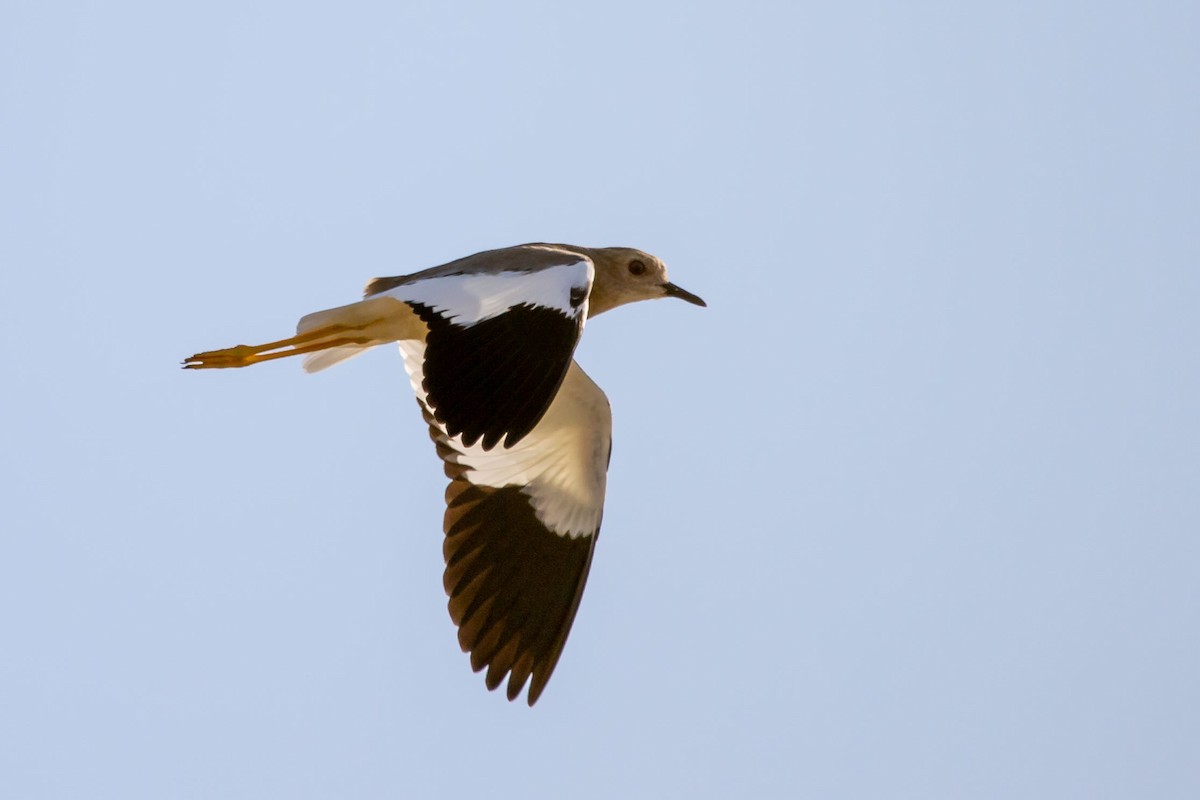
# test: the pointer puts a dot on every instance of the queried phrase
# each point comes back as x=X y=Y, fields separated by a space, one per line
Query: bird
x=525 y=436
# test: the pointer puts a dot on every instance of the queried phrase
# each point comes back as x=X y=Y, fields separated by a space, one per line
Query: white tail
x=368 y=323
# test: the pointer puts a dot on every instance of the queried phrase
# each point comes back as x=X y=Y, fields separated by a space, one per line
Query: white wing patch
x=561 y=465
x=467 y=298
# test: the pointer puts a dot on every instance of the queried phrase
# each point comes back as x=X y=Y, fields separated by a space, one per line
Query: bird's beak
x=671 y=290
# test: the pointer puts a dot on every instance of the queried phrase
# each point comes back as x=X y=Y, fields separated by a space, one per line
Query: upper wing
x=521 y=524
x=502 y=328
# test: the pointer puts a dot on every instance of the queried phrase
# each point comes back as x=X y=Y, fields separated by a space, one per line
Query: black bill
x=671 y=290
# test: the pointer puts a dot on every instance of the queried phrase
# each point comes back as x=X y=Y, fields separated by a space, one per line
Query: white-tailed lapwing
x=488 y=342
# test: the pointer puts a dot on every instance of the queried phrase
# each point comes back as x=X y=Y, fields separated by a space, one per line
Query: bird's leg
x=243 y=355
x=355 y=327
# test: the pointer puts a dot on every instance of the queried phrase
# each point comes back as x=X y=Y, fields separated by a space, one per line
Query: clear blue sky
x=911 y=510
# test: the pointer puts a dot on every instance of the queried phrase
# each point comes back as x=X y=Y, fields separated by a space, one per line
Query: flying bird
x=525 y=435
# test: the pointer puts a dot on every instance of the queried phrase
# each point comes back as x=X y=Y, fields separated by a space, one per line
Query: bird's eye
x=637 y=268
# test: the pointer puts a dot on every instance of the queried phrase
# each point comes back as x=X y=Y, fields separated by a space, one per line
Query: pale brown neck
x=600 y=300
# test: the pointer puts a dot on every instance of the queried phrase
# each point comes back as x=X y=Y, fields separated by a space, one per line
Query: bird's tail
x=325 y=338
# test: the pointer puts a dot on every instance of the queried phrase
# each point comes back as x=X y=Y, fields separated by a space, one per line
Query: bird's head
x=625 y=275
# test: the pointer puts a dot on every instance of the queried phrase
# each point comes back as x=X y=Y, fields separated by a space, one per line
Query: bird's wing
x=502 y=328
x=521 y=524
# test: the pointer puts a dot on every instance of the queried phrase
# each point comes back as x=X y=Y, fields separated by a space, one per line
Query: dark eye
x=636 y=268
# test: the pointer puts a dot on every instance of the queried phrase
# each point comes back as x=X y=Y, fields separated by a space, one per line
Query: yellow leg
x=243 y=355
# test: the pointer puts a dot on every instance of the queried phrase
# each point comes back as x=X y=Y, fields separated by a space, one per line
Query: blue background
x=911 y=510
